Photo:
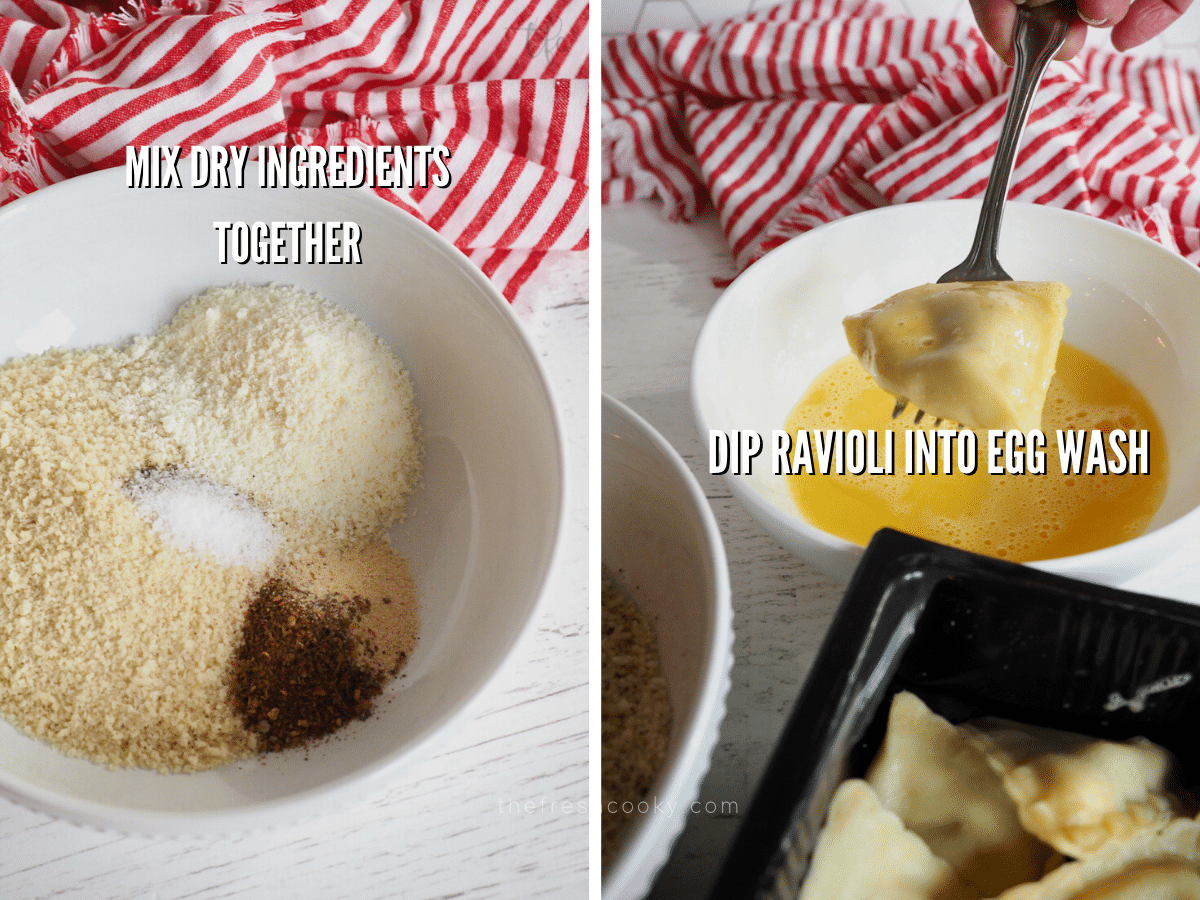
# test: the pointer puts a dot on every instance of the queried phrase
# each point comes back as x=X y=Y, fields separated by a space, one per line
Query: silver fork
x=1039 y=33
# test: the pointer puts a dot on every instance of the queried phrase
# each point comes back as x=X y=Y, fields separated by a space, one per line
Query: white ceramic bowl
x=483 y=528
x=659 y=534
x=1134 y=305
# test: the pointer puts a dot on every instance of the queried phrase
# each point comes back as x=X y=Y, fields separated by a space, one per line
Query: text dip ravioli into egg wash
x=1079 y=467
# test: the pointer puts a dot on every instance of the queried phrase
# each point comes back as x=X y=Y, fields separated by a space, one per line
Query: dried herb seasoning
x=295 y=676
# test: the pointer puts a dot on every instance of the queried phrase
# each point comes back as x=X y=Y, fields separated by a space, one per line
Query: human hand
x=1133 y=22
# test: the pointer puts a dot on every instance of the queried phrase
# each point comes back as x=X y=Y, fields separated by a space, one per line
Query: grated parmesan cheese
x=289 y=399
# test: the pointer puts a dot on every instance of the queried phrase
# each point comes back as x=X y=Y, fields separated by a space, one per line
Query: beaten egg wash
x=1017 y=517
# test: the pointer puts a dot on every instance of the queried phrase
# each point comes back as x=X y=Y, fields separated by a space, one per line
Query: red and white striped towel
x=817 y=109
x=502 y=84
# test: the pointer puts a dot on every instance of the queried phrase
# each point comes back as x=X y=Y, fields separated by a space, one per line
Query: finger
x=1146 y=19
x=1102 y=13
x=1076 y=35
x=995 y=19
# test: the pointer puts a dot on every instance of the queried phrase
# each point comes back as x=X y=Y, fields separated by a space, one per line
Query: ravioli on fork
x=980 y=354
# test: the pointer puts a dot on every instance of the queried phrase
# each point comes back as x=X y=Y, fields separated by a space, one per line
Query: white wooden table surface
x=657 y=288
x=456 y=825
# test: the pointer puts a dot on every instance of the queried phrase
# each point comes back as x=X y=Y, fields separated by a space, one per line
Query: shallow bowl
x=89 y=261
x=660 y=538
x=1134 y=305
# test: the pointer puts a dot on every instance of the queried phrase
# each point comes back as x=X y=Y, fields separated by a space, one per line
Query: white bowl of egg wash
x=666 y=648
x=1098 y=477
x=270 y=528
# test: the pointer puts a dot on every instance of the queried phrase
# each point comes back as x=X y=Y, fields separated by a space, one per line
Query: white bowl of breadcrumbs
x=266 y=530
x=666 y=648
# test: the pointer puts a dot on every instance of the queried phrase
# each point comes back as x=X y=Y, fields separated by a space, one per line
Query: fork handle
x=1039 y=33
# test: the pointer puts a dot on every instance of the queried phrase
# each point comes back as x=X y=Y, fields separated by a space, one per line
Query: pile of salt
x=204 y=517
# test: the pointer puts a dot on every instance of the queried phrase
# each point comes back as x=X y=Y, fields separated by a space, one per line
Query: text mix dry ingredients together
x=194 y=565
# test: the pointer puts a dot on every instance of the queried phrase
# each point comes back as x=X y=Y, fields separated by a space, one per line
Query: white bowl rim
x=647 y=848
x=371 y=778
x=1068 y=565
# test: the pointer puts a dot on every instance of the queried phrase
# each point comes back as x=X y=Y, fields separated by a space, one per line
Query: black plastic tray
x=970 y=636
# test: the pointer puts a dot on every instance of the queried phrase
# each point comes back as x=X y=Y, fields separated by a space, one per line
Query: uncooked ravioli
x=1152 y=865
x=864 y=852
x=980 y=354
x=941 y=786
x=1079 y=793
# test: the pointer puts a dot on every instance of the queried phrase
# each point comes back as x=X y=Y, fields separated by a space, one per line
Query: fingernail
x=1095 y=23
